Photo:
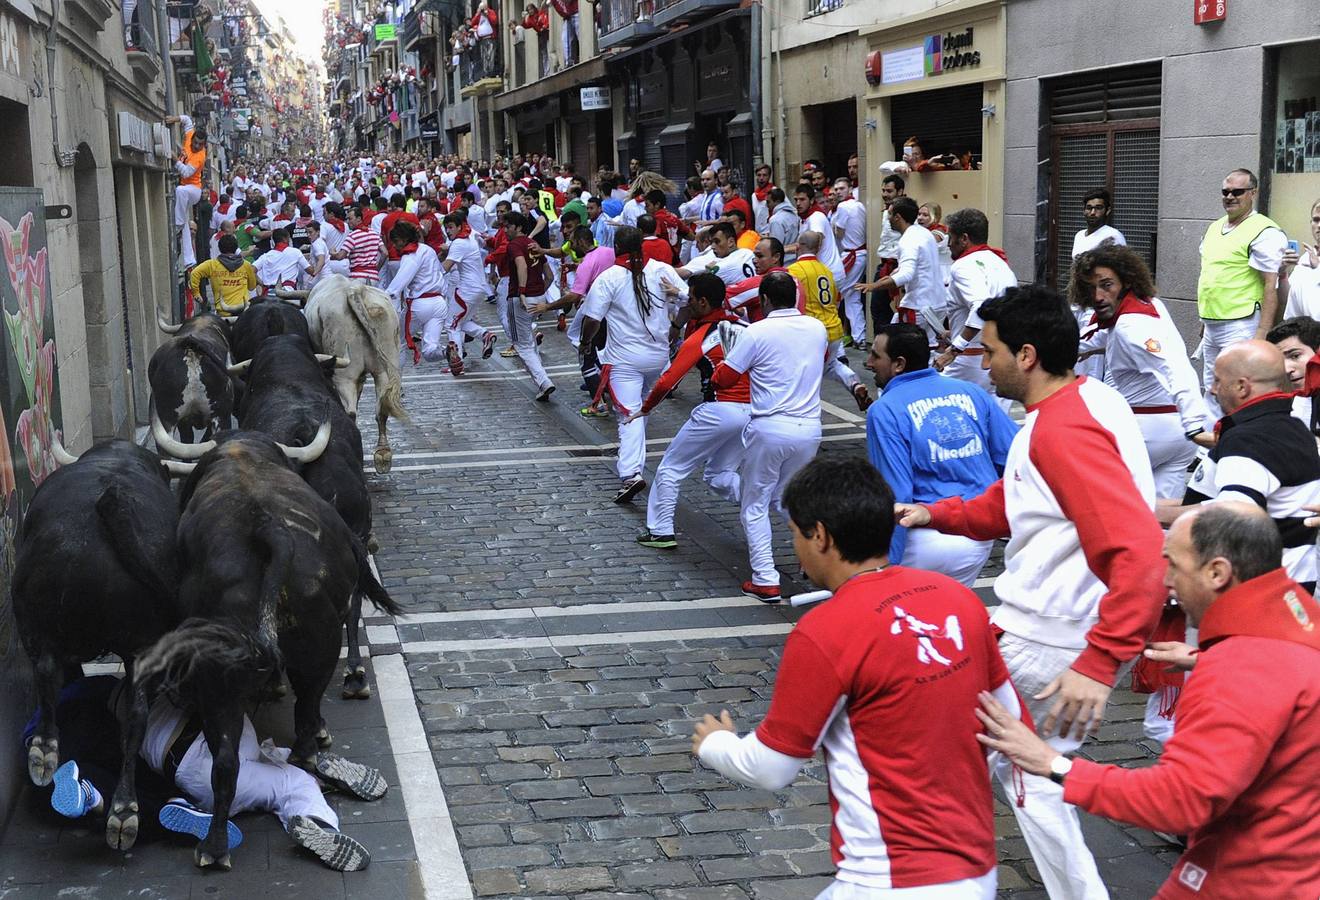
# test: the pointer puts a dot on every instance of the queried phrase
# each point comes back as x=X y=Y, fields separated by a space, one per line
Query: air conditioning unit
x=163 y=140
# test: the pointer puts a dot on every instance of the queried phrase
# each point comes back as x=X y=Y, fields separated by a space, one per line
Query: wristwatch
x=1060 y=766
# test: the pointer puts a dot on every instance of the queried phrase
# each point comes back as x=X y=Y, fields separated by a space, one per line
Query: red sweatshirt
x=1083 y=567
x=703 y=340
x=499 y=253
x=1240 y=776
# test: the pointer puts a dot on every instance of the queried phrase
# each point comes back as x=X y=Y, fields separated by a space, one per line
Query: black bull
x=96 y=573
x=288 y=396
x=268 y=569
x=190 y=387
x=261 y=320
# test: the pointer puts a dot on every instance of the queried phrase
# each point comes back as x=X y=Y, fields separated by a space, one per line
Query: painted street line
x=586 y=609
x=582 y=640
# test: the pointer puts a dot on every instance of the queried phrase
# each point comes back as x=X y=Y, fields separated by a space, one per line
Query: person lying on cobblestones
x=1238 y=776
x=874 y=676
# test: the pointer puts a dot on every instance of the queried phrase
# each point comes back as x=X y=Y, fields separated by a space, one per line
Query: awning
x=678 y=33
x=574 y=76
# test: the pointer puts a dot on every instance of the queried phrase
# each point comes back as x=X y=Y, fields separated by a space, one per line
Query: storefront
x=939 y=78
x=679 y=92
x=1291 y=173
x=567 y=115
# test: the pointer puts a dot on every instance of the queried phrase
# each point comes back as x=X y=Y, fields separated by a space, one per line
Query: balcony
x=673 y=12
x=627 y=22
x=140 y=42
x=384 y=36
x=94 y=12
x=421 y=26
x=481 y=70
x=820 y=7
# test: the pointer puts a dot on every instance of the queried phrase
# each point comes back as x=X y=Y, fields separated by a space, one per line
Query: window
x=820 y=7
x=946 y=123
x=1296 y=113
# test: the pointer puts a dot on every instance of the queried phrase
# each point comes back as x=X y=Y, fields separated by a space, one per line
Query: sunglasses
x=1234 y=192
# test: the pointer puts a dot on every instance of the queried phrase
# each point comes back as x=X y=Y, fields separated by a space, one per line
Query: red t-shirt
x=393 y=217
x=884 y=676
x=657 y=248
x=435 y=238
x=536 y=278
x=740 y=203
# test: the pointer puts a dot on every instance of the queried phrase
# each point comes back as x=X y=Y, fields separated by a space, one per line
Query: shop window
x=1296 y=113
x=1104 y=132
x=945 y=123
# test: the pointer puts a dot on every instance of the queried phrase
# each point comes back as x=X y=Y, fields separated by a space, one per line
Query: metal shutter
x=943 y=120
x=1136 y=189
x=1129 y=93
x=1083 y=162
x=649 y=138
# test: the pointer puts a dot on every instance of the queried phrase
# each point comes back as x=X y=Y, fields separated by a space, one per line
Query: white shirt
x=476 y=219
x=635 y=340
x=737 y=266
x=973 y=279
x=419 y=273
x=228 y=216
x=1146 y=361
x=467 y=275
x=1082 y=242
x=275 y=267
x=632 y=210
x=563 y=183
x=760 y=212
x=850 y=218
x=919 y=272
x=333 y=237
x=828 y=253
x=784 y=354
x=319 y=251
x=887 y=248
x=1303 y=291
x=711 y=205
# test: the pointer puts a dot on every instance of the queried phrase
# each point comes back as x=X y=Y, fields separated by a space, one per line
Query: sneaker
x=860 y=394
x=354 y=778
x=657 y=541
x=544 y=396
x=74 y=797
x=766 y=593
x=509 y=351
x=488 y=344
x=181 y=817
x=334 y=848
x=631 y=488
x=594 y=412
x=540 y=336
x=455 y=359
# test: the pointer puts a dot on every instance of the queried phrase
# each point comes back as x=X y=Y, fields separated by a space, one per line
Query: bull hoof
x=275 y=690
x=43 y=760
x=205 y=860
x=372 y=544
x=355 y=684
x=383 y=459
x=121 y=827
x=324 y=739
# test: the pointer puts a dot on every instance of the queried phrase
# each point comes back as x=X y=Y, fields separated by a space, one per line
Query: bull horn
x=240 y=368
x=341 y=362
x=62 y=456
x=167 y=444
x=167 y=327
x=312 y=452
x=179 y=469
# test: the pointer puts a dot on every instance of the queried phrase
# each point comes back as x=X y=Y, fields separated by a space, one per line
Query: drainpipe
x=781 y=116
x=167 y=67
x=63 y=158
x=756 y=89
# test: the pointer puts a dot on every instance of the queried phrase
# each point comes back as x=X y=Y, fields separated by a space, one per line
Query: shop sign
x=385 y=32
x=950 y=51
x=430 y=133
x=1205 y=11
x=902 y=65
x=874 y=69
x=595 y=98
x=135 y=134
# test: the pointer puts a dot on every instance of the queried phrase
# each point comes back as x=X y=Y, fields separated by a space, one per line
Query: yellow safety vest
x=1228 y=287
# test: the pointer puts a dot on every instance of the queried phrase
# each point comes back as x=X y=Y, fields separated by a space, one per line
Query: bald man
x=1264 y=455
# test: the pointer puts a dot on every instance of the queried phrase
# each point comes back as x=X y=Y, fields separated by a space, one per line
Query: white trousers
x=459 y=325
x=1220 y=334
x=711 y=435
x=266 y=782
x=1170 y=452
x=185 y=198
x=982 y=888
x=960 y=558
x=502 y=305
x=568 y=36
x=853 y=307
x=777 y=447
x=629 y=388
x=836 y=367
x=429 y=315
x=1051 y=827
x=524 y=339
x=967 y=367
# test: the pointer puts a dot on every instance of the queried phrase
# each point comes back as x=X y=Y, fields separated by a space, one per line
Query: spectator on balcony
x=568 y=11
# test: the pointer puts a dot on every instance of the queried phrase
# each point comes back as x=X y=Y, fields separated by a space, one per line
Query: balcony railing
x=820 y=7
x=627 y=22
x=480 y=62
x=670 y=12
x=140 y=41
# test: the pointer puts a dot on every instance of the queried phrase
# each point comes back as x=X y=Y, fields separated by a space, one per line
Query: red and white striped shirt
x=364 y=247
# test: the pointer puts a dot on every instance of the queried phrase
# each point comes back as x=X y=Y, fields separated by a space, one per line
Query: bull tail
x=368 y=583
x=202 y=654
x=381 y=326
x=120 y=513
x=279 y=544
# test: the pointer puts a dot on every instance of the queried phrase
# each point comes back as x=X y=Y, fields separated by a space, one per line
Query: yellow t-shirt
x=231 y=289
x=821 y=293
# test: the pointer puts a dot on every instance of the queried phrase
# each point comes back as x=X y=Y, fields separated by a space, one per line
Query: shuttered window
x=943 y=121
x=1104 y=132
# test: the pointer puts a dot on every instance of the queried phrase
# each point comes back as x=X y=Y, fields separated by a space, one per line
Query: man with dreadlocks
x=639 y=297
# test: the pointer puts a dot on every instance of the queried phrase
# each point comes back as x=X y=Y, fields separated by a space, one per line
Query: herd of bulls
x=252 y=571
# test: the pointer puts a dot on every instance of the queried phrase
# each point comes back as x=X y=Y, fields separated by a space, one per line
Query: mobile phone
x=1293 y=247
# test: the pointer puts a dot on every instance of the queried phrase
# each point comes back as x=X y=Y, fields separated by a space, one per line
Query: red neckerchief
x=1128 y=304
x=465 y=231
x=623 y=259
x=279 y=247
x=815 y=208
x=1272 y=395
x=224 y=208
x=336 y=224
x=762 y=193
x=408 y=248
x=975 y=247
x=362 y=225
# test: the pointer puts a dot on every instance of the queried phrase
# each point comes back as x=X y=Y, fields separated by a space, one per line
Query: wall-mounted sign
x=874 y=68
x=902 y=65
x=135 y=134
x=950 y=51
x=385 y=32
x=595 y=98
x=1204 y=11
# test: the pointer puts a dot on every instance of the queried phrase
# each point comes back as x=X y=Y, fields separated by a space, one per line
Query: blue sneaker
x=182 y=817
x=73 y=797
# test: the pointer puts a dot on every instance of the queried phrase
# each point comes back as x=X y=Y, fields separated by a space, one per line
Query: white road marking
x=438 y=858
x=840 y=413
x=582 y=640
x=382 y=634
x=985 y=582
x=586 y=609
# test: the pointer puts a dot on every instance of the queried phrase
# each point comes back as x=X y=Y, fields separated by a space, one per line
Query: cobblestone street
x=533 y=709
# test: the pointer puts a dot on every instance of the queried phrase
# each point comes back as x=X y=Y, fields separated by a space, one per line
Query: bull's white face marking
x=194 y=398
